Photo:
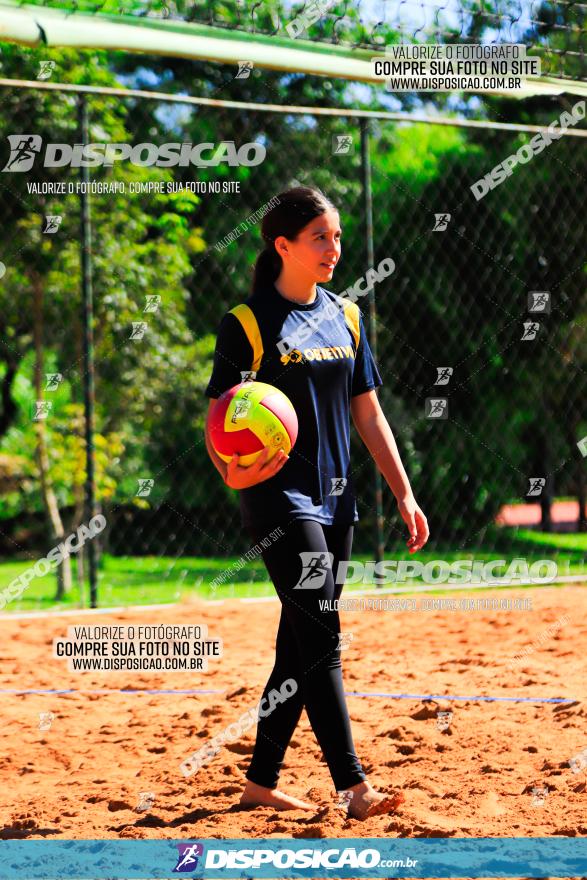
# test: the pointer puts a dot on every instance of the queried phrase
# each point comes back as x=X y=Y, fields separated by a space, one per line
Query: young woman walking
x=309 y=494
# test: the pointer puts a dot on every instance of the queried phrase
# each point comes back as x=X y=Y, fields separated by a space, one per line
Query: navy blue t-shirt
x=319 y=376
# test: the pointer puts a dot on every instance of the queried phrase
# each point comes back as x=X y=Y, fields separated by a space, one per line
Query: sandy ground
x=83 y=777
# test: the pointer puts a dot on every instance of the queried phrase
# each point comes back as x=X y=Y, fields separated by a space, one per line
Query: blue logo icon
x=187 y=859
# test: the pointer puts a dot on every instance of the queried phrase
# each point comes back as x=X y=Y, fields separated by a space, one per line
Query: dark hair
x=294 y=209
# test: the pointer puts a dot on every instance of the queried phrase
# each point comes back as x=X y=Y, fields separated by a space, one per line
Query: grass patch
x=153 y=580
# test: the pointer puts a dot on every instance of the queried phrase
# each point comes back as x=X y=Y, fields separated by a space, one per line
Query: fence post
x=369 y=250
x=88 y=345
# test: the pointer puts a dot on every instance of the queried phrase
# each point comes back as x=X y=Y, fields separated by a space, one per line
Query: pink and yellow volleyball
x=250 y=416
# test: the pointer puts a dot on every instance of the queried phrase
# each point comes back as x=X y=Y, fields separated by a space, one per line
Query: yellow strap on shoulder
x=249 y=324
x=351 y=316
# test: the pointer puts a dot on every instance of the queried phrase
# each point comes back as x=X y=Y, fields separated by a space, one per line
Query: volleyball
x=249 y=417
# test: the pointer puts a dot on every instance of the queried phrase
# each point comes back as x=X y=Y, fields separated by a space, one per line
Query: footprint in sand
x=406 y=749
x=491 y=806
x=211 y=710
x=400 y=829
x=115 y=806
x=429 y=709
x=317 y=833
x=228 y=789
x=426 y=831
x=395 y=733
x=24 y=824
x=240 y=748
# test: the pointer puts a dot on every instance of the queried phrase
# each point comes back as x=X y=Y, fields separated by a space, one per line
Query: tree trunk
x=573 y=433
x=582 y=496
x=76 y=520
x=48 y=495
x=9 y=409
x=543 y=462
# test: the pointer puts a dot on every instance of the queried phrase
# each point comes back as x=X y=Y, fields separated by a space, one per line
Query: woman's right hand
x=238 y=477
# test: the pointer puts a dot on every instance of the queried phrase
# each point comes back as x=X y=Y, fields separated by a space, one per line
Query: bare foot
x=258 y=796
x=366 y=802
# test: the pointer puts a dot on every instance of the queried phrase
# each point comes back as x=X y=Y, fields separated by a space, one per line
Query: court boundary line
x=376 y=591
x=426 y=588
x=423 y=697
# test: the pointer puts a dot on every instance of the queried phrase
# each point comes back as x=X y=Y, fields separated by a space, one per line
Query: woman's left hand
x=416 y=522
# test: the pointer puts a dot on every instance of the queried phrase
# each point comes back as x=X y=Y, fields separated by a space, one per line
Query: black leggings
x=306 y=650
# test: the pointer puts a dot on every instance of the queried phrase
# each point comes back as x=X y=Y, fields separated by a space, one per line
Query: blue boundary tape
x=347 y=693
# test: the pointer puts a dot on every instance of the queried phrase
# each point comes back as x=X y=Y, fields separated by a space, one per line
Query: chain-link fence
x=479 y=332
x=554 y=32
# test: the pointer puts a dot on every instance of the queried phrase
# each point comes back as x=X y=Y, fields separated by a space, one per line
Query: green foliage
x=455 y=298
x=65 y=444
x=142 y=246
